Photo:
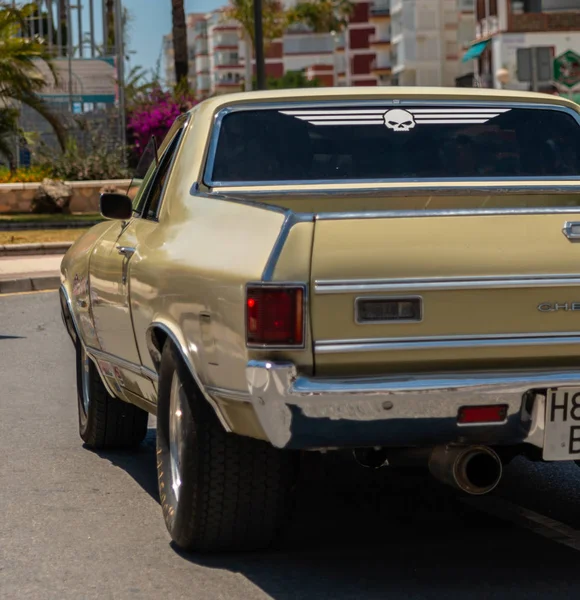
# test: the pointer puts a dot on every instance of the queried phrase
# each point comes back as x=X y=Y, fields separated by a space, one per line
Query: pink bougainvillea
x=154 y=115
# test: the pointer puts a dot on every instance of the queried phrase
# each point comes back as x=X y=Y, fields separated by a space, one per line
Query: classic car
x=390 y=272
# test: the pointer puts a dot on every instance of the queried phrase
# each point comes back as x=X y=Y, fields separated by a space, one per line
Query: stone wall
x=17 y=197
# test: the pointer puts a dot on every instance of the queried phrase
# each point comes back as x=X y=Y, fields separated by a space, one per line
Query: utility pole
x=120 y=51
x=259 y=45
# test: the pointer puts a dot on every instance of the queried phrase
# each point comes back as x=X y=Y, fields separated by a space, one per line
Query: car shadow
x=138 y=463
x=359 y=533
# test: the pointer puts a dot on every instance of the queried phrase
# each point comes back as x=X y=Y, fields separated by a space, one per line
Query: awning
x=475 y=51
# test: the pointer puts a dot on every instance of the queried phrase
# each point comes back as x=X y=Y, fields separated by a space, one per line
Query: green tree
x=322 y=16
x=138 y=84
x=20 y=79
x=290 y=80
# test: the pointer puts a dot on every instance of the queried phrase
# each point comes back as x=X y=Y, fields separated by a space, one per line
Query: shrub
x=33 y=174
x=154 y=116
x=98 y=158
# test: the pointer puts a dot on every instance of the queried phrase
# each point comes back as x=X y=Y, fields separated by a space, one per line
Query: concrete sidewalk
x=29 y=273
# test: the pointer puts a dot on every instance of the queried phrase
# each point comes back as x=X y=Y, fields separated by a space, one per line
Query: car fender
x=157 y=333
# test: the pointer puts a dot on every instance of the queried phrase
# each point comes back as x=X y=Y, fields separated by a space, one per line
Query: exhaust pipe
x=474 y=469
x=371 y=458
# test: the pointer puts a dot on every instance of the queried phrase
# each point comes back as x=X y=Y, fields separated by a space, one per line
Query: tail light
x=275 y=316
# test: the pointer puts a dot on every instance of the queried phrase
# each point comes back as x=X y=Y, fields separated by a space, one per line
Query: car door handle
x=127 y=251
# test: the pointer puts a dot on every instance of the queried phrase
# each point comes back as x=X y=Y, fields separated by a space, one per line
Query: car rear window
x=407 y=142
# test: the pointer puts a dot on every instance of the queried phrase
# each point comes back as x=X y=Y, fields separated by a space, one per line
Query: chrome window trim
x=358 y=299
x=278 y=284
x=220 y=114
x=444 y=186
x=336 y=286
x=440 y=342
x=176 y=143
x=290 y=220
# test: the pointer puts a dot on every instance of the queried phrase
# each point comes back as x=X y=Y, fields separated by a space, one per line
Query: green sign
x=567 y=69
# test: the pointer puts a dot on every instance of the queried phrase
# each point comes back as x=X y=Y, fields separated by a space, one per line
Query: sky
x=151 y=21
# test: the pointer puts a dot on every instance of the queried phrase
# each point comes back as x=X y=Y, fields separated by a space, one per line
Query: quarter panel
x=197 y=261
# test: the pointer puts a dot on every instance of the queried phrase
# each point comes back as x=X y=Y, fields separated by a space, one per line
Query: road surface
x=76 y=524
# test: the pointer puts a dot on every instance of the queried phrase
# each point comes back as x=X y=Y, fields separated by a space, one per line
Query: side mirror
x=116 y=206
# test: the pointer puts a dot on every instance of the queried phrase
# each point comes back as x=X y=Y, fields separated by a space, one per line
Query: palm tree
x=179 y=31
x=138 y=84
x=20 y=78
x=8 y=130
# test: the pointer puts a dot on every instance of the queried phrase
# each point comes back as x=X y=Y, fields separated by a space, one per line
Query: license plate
x=562 y=433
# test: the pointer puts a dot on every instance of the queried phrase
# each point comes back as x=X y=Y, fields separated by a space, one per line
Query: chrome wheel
x=85 y=378
x=176 y=399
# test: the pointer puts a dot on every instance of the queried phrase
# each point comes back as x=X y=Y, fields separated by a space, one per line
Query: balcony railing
x=225 y=41
x=227 y=82
x=379 y=39
x=230 y=62
x=526 y=22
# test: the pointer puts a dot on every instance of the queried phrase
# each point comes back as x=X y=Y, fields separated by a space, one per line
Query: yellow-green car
x=392 y=271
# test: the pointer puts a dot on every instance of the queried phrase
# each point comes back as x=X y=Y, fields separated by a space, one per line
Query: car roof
x=386 y=93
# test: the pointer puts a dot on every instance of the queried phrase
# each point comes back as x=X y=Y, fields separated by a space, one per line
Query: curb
x=34 y=249
x=36 y=226
x=29 y=284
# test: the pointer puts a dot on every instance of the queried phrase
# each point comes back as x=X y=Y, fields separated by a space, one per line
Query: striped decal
x=379 y=116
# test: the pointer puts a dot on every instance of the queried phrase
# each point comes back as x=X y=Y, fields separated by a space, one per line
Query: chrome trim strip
x=316 y=103
x=467 y=212
x=359 y=299
x=291 y=219
x=343 y=347
x=410 y=187
x=122 y=363
x=337 y=286
x=228 y=394
x=195 y=376
x=439 y=338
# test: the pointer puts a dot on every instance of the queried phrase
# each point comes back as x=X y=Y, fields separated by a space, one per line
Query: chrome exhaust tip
x=476 y=470
x=371 y=458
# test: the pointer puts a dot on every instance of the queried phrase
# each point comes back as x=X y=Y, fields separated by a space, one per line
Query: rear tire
x=219 y=491
x=105 y=421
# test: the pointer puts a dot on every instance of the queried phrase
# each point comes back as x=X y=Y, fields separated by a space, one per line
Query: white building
x=428 y=38
x=512 y=24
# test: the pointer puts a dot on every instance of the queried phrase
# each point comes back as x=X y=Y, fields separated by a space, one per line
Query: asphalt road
x=75 y=524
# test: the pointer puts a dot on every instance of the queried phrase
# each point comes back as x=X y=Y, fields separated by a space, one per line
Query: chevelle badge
x=556 y=306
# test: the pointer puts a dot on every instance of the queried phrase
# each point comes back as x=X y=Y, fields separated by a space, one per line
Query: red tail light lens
x=275 y=316
x=493 y=413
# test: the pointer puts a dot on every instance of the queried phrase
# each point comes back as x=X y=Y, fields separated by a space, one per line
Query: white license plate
x=562 y=433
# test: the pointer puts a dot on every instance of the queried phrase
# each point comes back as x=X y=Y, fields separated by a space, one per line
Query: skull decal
x=399 y=120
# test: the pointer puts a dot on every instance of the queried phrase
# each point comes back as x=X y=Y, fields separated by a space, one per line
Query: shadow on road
x=376 y=535
x=139 y=464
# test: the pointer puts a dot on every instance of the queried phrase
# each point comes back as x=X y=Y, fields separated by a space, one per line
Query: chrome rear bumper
x=398 y=411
